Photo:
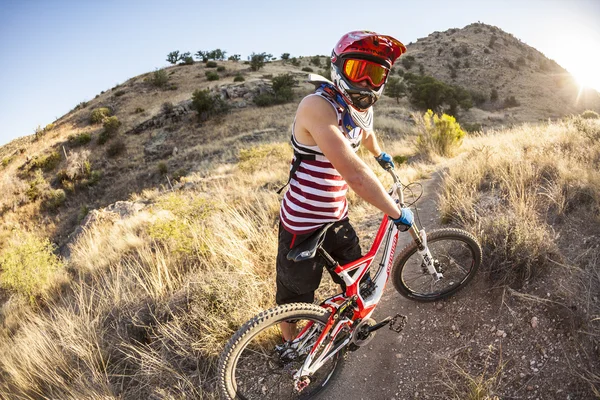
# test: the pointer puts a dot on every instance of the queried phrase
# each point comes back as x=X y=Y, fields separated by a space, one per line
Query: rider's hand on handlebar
x=405 y=221
x=385 y=160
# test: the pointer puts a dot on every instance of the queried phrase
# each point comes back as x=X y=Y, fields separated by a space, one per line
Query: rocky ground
x=480 y=342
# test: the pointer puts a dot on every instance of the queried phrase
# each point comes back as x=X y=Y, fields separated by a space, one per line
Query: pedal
x=398 y=323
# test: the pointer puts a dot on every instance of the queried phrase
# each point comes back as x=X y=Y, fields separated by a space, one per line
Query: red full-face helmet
x=360 y=63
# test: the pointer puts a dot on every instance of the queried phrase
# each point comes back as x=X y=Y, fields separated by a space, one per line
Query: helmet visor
x=360 y=70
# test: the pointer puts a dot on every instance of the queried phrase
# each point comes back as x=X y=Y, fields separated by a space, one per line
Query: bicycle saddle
x=308 y=248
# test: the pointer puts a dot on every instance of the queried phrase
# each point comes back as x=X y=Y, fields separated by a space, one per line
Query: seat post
x=331 y=263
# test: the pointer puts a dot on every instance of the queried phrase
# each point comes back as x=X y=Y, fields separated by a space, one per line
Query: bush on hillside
x=494 y=95
x=29 y=266
x=510 y=102
x=239 y=78
x=111 y=125
x=98 y=115
x=220 y=68
x=211 y=76
x=211 y=64
x=117 y=147
x=80 y=139
x=307 y=69
x=158 y=78
x=53 y=199
x=437 y=135
x=47 y=163
x=427 y=93
x=282 y=91
x=589 y=114
x=207 y=104
x=257 y=61
x=395 y=88
x=316 y=61
x=407 y=61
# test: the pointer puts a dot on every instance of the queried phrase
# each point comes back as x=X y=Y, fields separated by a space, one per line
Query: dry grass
x=149 y=314
x=511 y=186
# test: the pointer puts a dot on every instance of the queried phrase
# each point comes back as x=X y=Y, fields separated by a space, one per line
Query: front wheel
x=456 y=255
x=256 y=364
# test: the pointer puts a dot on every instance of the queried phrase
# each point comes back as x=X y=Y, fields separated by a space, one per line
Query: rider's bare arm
x=316 y=123
x=371 y=144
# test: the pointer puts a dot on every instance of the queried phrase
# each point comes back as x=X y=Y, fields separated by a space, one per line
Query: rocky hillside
x=481 y=58
x=52 y=179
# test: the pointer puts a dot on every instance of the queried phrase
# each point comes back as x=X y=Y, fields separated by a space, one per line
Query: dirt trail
x=474 y=328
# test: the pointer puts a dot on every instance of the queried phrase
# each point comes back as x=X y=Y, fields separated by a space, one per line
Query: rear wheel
x=456 y=254
x=256 y=365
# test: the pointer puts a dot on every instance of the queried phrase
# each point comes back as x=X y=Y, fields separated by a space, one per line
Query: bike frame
x=342 y=316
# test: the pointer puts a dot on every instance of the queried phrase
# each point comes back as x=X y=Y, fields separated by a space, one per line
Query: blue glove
x=405 y=221
x=385 y=160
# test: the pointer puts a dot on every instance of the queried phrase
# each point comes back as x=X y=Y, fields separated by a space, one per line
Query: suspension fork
x=420 y=238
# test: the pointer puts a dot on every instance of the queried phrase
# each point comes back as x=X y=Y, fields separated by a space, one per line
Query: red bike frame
x=349 y=307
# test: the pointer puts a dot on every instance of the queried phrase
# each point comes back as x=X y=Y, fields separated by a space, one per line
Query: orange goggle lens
x=359 y=70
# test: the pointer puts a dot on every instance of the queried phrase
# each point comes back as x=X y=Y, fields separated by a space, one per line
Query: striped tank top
x=317 y=192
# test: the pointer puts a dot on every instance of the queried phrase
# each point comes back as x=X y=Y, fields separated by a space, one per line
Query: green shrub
x=307 y=69
x=186 y=59
x=239 y=78
x=139 y=110
x=162 y=168
x=408 y=61
x=6 y=161
x=399 y=160
x=53 y=199
x=80 y=139
x=207 y=105
x=257 y=61
x=36 y=186
x=158 y=78
x=99 y=114
x=103 y=137
x=589 y=114
x=212 y=75
x=29 y=265
x=167 y=107
x=316 y=61
x=494 y=95
x=180 y=173
x=395 y=88
x=111 y=125
x=117 y=147
x=220 y=68
x=283 y=92
x=511 y=102
x=437 y=135
x=47 y=163
x=119 y=93
x=211 y=64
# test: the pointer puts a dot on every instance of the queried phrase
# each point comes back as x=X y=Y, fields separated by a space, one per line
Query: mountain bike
x=257 y=364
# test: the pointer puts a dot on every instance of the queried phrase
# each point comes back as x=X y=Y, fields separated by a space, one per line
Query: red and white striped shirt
x=317 y=192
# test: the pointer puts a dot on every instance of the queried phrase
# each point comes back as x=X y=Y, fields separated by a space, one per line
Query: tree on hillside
x=257 y=60
x=235 y=57
x=395 y=88
x=202 y=55
x=173 y=57
x=408 y=61
x=285 y=57
x=186 y=58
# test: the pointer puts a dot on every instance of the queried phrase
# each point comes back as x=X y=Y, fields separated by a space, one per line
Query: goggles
x=360 y=70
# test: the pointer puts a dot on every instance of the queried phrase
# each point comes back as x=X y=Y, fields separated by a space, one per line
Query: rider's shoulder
x=315 y=105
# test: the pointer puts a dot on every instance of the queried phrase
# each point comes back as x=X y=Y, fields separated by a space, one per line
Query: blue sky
x=56 y=54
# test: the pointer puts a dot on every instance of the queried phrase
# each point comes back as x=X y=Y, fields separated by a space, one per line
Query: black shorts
x=297 y=281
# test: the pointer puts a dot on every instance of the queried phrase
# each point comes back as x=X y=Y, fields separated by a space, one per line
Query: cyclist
x=328 y=129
